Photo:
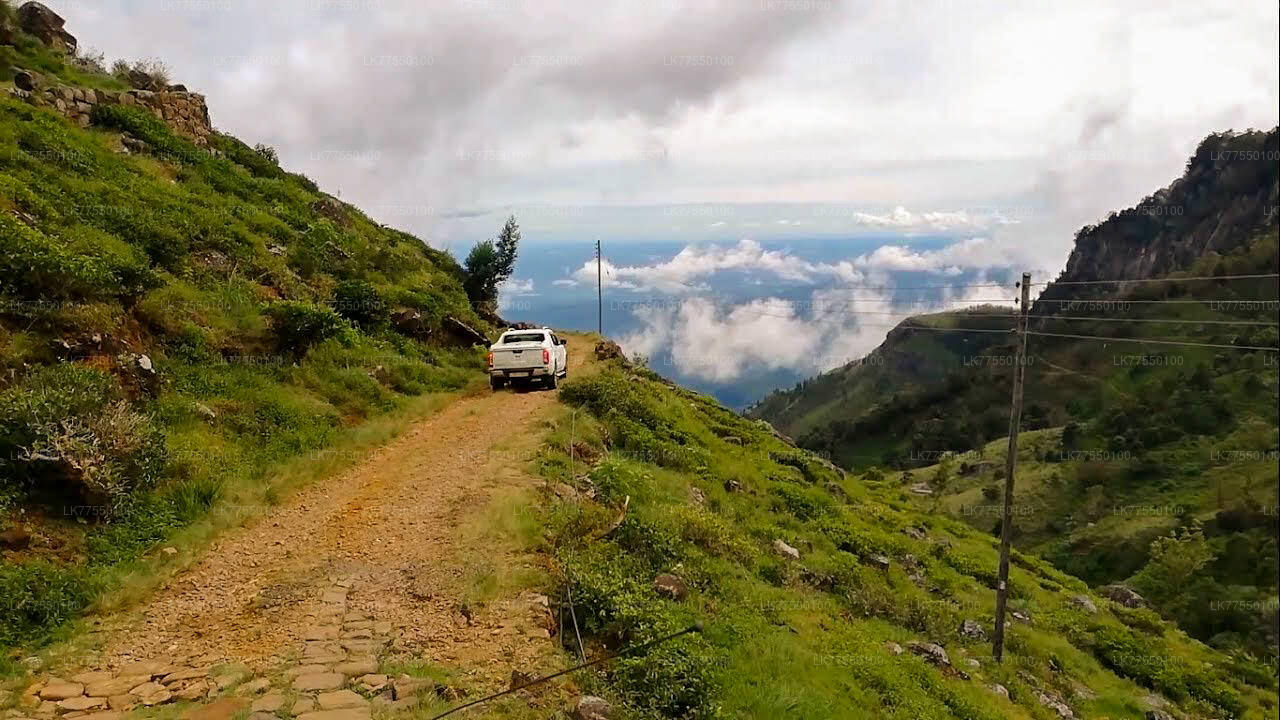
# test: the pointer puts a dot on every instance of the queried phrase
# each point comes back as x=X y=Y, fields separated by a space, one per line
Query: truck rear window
x=523 y=337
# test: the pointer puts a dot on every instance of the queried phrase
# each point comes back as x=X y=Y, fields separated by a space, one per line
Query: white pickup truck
x=528 y=355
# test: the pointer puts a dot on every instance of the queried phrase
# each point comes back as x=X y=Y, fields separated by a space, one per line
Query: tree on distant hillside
x=491 y=262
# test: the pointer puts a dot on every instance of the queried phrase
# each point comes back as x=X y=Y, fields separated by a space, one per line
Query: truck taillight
x=490 y=359
x=546 y=356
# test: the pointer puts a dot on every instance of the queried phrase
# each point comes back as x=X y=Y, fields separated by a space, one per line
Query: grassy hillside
x=173 y=324
x=706 y=495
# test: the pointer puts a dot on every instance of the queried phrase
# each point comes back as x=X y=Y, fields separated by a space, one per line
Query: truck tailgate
x=517 y=355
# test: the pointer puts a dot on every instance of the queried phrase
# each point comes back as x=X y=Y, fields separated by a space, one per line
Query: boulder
x=785 y=550
x=972 y=630
x=15 y=538
x=1157 y=715
x=590 y=707
x=47 y=26
x=932 y=652
x=609 y=350
x=670 y=586
x=57 y=689
x=893 y=648
x=1084 y=603
x=26 y=80
x=464 y=332
x=1122 y=595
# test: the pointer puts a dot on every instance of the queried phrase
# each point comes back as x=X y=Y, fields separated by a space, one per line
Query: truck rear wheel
x=553 y=381
x=495 y=383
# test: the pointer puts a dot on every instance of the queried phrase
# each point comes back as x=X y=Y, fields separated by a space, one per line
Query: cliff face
x=1228 y=192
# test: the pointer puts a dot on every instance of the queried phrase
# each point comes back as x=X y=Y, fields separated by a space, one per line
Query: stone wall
x=185 y=112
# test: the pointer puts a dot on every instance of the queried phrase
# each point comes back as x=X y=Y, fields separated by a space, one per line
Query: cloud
x=517 y=286
x=694 y=262
x=902 y=219
x=721 y=343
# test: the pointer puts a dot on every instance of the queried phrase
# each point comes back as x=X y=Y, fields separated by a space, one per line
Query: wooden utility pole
x=1010 y=462
x=599 y=295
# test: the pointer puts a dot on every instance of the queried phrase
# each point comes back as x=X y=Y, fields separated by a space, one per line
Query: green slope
x=706 y=493
x=174 y=323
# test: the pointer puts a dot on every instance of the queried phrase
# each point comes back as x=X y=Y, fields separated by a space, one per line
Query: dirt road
x=370 y=565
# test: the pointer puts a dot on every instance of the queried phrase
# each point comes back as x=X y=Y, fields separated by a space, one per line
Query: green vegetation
x=685 y=486
x=1128 y=445
x=175 y=325
x=491 y=262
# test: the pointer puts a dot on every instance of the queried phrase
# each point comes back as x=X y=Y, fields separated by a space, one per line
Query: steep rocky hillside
x=1218 y=219
x=178 y=315
x=1139 y=446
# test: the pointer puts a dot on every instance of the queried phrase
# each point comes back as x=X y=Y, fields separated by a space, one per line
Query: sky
x=1000 y=127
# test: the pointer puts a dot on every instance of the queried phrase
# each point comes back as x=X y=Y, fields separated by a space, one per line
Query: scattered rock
x=353 y=668
x=1084 y=603
x=893 y=648
x=881 y=562
x=914 y=533
x=1000 y=690
x=254 y=687
x=57 y=689
x=590 y=707
x=372 y=682
x=82 y=703
x=340 y=699
x=117 y=686
x=158 y=697
x=1158 y=715
x=670 y=586
x=184 y=673
x=785 y=550
x=972 y=663
x=732 y=486
x=1122 y=595
x=1055 y=705
x=697 y=496
x=733 y=439
x=193 y=691
x=122 y=703
x=303 y=705
x=262 y=716
x=206 y=412
x=270 y=703
x=921 y=488
x=342 y=714
x=932 y=652
x=319 y=681
x=972 y=630
x=1021 y=617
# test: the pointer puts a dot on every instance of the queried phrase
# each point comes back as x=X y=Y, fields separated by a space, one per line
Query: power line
x=1153 y=320
x=1156 y=342
x=1167 y=279
x=1147 y=302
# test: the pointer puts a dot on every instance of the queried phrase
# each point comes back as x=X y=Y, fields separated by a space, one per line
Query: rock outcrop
x=47 y=26
x=1228 y=191
x=186 y=113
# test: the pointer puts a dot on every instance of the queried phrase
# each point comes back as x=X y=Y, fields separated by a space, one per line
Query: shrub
x=36 y=597
x=36 y=266
x=359 y=302
x=103 y=455
x=299 y=325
